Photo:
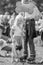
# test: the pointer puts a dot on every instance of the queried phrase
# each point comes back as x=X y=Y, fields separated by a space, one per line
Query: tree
x=7 y=5
x=39 y=4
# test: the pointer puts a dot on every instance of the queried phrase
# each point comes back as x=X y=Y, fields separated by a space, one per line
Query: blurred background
x=9 y=5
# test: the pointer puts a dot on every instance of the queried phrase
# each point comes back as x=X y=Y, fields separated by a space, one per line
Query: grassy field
x=6 y=61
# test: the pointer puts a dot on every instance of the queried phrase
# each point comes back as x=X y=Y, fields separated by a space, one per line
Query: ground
x=39 y=54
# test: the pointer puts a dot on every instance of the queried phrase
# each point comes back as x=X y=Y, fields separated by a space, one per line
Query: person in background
x=1 y=30
x=39 y=26
x=6 y=25
x=1 y=26
x=42 y=27
x=11 y=21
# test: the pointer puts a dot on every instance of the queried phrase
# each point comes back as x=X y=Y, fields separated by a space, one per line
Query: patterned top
x=18 y=26
x=17 y=31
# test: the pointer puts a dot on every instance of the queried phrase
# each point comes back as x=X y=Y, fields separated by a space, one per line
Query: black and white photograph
x=21 y=32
